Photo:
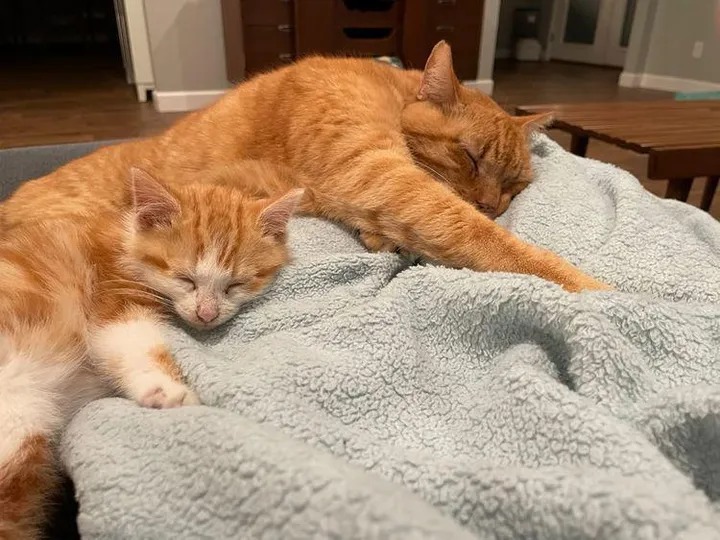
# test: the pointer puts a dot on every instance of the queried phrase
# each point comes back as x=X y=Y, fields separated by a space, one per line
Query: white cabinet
x=132 y=29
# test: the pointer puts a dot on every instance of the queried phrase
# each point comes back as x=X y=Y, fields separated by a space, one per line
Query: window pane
x=582 y=21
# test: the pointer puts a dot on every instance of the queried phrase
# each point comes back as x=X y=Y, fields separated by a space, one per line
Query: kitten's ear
x=439 y=84
x=274 y=218
x=152 y=203
x=534 y=122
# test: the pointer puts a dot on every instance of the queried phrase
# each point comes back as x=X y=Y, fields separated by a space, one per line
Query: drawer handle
x=285 y=27
x=447 y=2
x=285 y=56
x=444 y=28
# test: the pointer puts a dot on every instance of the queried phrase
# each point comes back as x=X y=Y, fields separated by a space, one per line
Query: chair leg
x=679 y=189
x=711 y=185
x=578 y=145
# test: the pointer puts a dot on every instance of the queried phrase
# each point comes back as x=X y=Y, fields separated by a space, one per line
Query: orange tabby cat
x=410 y=159
x=82 y=313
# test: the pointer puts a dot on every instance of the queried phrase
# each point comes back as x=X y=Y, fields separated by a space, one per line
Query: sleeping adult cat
x=410 y=159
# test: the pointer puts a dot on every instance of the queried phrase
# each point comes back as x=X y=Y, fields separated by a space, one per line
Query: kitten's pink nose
x=207 y=312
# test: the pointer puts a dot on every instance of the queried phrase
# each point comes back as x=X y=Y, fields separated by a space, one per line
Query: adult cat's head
x=464 y=139
x=207 y=248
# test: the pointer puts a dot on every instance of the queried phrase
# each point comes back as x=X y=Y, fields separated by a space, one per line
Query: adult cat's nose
x=207 y=312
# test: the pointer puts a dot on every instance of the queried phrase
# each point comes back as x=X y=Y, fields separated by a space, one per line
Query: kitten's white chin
x=202 y=325
x=198 y=324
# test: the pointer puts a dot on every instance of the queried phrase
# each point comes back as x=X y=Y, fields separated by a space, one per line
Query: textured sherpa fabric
x=369 y=397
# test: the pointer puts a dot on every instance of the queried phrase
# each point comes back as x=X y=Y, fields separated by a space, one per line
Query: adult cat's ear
x=534 y=122
x=274 y=218
x=152 y=203
x=439 y=84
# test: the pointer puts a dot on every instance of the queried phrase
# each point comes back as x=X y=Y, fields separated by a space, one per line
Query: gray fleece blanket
x=366 y=396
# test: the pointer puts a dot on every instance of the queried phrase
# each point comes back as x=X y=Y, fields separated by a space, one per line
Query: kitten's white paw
x=161 y=392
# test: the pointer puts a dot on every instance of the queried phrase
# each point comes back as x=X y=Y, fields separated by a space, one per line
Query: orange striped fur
x=83 y=307
x=410 y=159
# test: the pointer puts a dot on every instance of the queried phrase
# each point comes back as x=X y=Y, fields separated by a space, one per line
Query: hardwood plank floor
x=530 y=83
x=71 y=98
x=85 y=98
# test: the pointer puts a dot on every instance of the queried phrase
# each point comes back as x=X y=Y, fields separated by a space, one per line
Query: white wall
x=488 y=39
x=660 y=53
x=187 y=51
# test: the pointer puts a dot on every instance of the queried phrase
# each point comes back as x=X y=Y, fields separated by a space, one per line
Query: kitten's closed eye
x=187 y=283
x=235 y=286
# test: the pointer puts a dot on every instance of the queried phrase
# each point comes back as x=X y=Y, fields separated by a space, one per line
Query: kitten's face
x=208 y=249
x=465 y=140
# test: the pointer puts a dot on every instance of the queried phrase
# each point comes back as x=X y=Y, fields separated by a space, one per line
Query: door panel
x=592 y=31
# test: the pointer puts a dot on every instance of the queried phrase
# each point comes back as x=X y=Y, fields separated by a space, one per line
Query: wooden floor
x=522 y=83
x=75 y=99
x=71 y=98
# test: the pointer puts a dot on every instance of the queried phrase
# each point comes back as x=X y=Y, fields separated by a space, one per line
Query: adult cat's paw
x=376 y=242
x=586 y=283
x=158 y=391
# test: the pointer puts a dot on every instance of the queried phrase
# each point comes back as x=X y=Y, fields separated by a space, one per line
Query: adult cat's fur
x=82 y=308
x=409 y=159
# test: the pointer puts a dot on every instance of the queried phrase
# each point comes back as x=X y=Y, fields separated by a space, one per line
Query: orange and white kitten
x=83 y=308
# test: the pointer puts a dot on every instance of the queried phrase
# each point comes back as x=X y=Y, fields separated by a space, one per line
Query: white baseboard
x=185 y=100
x=484 y=85
x=664 y=82
x=629 y=80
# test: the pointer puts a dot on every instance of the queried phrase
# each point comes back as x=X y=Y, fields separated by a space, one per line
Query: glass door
x=592 y=31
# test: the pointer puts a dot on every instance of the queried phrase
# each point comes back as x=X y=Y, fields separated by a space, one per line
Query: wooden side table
x=681 y=138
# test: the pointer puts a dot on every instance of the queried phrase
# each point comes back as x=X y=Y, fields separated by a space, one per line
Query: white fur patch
x=29 y=404
x=126 y=344
x=39 y=392
x=124 y=350
x=208 y=268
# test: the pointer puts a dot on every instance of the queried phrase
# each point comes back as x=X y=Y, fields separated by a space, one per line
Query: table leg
x=678 y=188
x=711 y=185
x=578 y=145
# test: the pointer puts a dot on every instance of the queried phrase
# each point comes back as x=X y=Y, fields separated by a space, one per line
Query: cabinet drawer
x=268 y=46
x=264 y=61
x=460 y=36
x=455 y=11
x=351 y=13
x=269 y=39
x=465 y=42
x=354 y=41
x=266 y=12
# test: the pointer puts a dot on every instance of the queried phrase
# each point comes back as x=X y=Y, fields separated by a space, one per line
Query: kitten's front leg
x=131 y=351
